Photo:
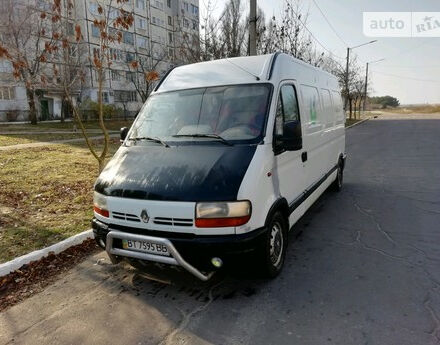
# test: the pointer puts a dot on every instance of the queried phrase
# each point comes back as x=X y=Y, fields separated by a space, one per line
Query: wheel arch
x=279 y=205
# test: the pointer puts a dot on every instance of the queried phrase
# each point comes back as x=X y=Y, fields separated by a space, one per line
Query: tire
x=273 y=251
x=338 y=182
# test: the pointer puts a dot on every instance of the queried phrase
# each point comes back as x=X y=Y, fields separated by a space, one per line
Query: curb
x=56 y=248
x=358 y=123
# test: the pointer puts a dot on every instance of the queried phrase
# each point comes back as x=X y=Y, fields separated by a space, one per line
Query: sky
x=411 y=69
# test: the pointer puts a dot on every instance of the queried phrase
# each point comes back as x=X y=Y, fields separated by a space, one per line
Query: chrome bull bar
x=175 y=258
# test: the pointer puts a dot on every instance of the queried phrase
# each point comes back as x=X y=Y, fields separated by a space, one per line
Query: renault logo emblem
x=144 y=216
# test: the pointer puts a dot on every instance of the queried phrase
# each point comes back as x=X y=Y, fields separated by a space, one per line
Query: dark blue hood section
x=177 y=173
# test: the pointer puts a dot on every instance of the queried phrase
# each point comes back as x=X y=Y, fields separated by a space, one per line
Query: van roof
x=240 y=70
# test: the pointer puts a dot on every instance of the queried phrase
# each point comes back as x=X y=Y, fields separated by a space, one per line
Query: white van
x=222 y=160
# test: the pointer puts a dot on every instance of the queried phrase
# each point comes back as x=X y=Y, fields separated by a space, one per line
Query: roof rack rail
x=163 y=78
x=272 y=64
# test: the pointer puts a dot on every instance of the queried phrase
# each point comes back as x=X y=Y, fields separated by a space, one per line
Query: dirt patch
x=35 y=276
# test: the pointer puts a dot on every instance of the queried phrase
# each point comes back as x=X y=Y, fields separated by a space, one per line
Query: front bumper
x=192 y=252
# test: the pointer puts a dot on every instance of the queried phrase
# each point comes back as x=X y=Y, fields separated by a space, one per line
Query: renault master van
x=222 y=160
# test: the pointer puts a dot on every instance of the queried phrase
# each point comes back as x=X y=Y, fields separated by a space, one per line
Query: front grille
x=173 y=221
x=126 y=216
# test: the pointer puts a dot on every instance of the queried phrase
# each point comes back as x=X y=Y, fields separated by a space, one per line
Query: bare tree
x=26 y=31
x=110 y=20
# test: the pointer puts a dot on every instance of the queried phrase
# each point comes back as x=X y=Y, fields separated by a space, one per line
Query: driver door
x=290 y=167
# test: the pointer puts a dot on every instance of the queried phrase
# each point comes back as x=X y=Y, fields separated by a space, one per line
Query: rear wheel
x=275 y=244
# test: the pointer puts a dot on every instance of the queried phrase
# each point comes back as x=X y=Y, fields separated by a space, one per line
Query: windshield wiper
x=212 y=135
x=156 y=140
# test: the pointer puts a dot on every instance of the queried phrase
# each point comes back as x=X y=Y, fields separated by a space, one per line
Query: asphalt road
x=362 y=268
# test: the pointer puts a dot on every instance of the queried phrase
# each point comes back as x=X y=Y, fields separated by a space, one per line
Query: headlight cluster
x=222 y=214
x=100 y=205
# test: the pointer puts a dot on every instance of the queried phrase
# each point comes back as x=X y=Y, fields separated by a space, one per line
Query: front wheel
x=337 y=184
x=274 y=247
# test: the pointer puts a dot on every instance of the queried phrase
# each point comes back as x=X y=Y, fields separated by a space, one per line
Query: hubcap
x=276 y=244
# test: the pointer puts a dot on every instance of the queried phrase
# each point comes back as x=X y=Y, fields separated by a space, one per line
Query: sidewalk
x=47 y=143
x=53 y=132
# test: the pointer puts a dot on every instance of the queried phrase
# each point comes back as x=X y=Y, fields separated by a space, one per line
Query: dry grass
x=414 y=109
x=45 y=196
x=349 y=122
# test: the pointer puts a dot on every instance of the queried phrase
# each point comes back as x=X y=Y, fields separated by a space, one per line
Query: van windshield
x=227 y=113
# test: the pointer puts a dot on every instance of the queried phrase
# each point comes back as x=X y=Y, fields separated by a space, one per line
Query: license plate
x=146 y=247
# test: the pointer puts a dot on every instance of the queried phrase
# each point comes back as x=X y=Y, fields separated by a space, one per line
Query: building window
x=116 y=54
x=194 y=10
x=7 y=93
x=95 y=31
x=141 y=23
x=5 y=66
x=128 y=37
x=158 y=4
x=140 y=4
x=113 y=14
x=194 y=25
x=105 y=97
x=93 y=8
x=170 y=20
x=130 y=76
x=170 y=37
x=115 y=75
x=129 y=57
x=186 y=6
x=169 y=3
x=185 y=23
x=157 y=21
x=171 y=53
x=125 y=96
x=142 y=42
x=70 y=30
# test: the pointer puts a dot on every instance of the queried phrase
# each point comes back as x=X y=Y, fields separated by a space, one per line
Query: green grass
x=114 y=125
x=46 y=196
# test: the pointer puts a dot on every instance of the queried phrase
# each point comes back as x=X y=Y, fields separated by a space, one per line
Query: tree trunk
x=63 y=110
x=350 y=104
x=30 y=94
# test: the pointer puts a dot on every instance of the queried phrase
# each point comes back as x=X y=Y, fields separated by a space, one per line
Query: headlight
x=222 y=214
x=100 y=204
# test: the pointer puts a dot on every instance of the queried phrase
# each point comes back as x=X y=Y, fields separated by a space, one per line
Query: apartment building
x=155 y=41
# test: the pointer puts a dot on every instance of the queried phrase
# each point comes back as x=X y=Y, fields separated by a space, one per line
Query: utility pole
x=366 y=88
x=253 y=28
x=366 y=82
x=346 y=79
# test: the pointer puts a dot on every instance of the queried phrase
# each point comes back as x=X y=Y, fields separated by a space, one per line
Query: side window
x=311 y=102
x=327 y=108
x=337 y=103
x=290 y=103
x=287 y=108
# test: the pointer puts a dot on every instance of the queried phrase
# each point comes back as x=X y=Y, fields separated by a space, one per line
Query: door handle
x=304 y=156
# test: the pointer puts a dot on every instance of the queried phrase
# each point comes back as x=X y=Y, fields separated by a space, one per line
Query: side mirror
x=291 y=138
x=124 y=132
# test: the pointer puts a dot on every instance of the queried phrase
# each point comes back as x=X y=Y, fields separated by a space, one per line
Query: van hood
x=176 y=173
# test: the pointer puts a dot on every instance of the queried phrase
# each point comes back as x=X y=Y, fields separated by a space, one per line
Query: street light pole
x=347 y=68
x=253 y=28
